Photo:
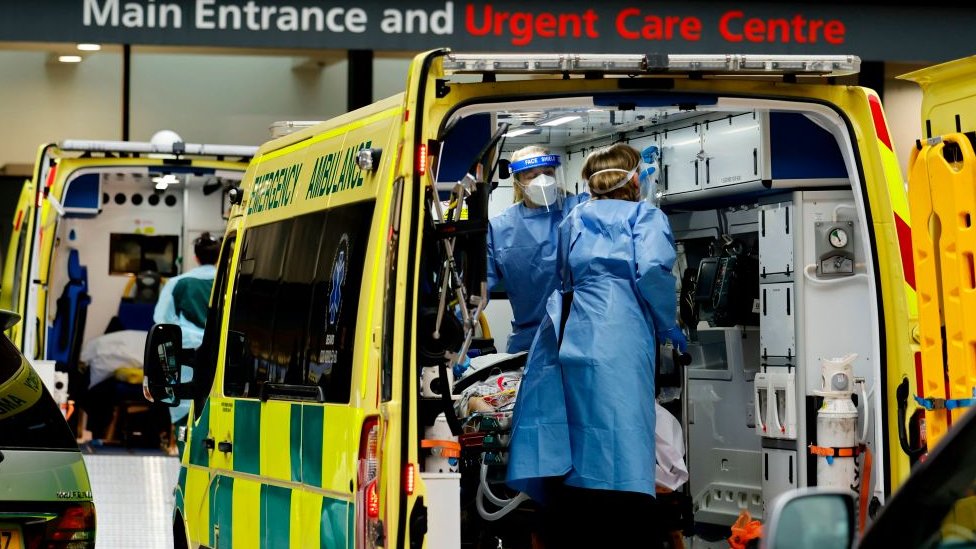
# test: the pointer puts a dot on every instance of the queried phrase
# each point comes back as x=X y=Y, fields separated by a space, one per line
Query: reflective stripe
x=196 y=506
x=222 y=498
x=295 y=448
x=276 y=516
x=338 y=523
x=312 y=435
x=197 y=431
x=275 y=438
x=247 y=436
x=248 y=514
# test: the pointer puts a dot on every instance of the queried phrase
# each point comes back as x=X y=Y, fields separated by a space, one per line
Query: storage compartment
x=679 y=159
x=779 y=472
x=443 y=509
x=732 y=150
x=777 y=328
x=776 y=228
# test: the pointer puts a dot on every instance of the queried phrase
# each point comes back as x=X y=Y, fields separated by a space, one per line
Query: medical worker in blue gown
x=583 y=435
x=521 y=240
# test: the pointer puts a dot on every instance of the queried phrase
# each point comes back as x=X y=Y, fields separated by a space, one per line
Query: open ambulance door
x=21 y=284
x=942 y=198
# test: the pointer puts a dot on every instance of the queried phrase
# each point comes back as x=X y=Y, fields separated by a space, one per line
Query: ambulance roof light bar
x=731 y=64
x=140 y=147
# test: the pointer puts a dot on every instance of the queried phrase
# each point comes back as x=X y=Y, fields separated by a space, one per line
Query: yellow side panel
x=340 y=451
x=246 y=522
x=276 y=440
x=306 y=518
x=197 y=504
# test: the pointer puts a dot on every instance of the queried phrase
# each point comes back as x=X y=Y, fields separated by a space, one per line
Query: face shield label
x=534 y=162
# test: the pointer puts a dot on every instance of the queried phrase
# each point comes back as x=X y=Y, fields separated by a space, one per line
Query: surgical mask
x=541 y=190
x=623 y=181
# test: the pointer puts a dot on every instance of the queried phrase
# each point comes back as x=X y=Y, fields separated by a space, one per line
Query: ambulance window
x=389 y=295
x=206 y=366
x=258 y=276
x=335 y=303
x=291 y=308
x=297 y=299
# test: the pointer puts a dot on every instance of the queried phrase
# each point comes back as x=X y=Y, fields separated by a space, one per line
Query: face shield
x=625 y=178
x=540 y=180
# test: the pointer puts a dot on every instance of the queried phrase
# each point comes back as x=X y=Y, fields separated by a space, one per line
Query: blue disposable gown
x=522 y=254
x=585 y=411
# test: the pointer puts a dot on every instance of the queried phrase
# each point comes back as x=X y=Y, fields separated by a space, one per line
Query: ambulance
x=97 y=230
x=351 y=295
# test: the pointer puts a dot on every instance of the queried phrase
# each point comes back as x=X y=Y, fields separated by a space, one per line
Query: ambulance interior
x=121 y=232
x=775 y=273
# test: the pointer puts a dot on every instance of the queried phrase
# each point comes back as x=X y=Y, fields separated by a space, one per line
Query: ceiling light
x=69 y=58
x=164 y=181
x=559 y=121
x=89 y=47
x=522 y=131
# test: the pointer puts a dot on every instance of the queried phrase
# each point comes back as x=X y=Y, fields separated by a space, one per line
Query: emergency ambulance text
x=274 y=189
x=336 y=171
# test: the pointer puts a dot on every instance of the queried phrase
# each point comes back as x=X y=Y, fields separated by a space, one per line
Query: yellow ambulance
x=351 y=283
x=100 y=225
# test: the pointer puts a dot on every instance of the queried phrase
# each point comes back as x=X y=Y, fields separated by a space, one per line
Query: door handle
x=225 y=446
x=208 y=443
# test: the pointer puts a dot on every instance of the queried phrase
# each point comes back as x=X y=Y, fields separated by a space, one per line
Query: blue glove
x=677 y=338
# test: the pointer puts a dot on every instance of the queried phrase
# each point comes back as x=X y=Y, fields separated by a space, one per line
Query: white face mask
x=541 y=191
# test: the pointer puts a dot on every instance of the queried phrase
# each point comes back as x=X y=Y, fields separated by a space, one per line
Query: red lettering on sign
x=655 y=27
x=545 y=25
x=725 y=21
x=469 y=21
x=524 y=26
x=734 y=27
x=590 y=17
x=622 y=23
x=754 y=30
x=691 y=28
x=834 y=32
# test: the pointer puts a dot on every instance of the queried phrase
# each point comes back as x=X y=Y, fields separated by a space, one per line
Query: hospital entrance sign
x=867 y=30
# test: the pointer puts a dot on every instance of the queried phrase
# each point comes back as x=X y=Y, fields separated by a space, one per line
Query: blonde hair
x=621 y=157
x=525 y=152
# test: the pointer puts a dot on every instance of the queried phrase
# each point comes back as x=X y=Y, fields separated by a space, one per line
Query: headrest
x=75 y=270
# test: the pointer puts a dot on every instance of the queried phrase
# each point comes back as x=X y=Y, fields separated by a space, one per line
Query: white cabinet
x=680 y=161
x=732 y=147
x=706 y=156
x=777 y=332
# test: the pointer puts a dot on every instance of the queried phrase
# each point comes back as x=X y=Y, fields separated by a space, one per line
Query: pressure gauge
x=838 y=237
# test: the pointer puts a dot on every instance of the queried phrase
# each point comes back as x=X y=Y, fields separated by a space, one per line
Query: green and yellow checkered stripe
x=288 y=482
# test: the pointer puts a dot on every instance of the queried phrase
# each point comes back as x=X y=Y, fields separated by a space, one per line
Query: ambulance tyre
x=179 y=533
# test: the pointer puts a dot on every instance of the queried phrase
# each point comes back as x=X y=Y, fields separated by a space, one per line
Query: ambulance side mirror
x=812 y=517
x=162 y=364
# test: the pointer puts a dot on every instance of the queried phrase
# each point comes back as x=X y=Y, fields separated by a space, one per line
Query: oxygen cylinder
x=443 y=449
x=837 y=424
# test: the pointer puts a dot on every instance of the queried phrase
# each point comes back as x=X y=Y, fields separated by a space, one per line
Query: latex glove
x=677 y=338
